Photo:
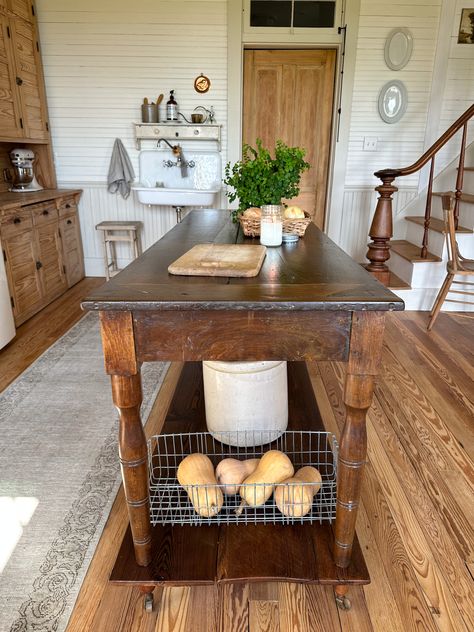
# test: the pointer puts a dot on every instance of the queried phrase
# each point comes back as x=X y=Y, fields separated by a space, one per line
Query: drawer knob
x=45 y=212
x=69 y=221
x=68 y=206
x=17 y=220
x=39 y=265
x=19 y=81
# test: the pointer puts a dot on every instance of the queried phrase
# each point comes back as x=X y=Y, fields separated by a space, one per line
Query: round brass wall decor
x=202 y=84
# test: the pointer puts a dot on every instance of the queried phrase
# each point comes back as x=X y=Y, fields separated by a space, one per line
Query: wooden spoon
x=159 y=99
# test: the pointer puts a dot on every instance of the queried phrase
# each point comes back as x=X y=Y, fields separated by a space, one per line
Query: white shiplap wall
x=401 y=143
x=398 y=144
x=459 y=91
x=101 y=57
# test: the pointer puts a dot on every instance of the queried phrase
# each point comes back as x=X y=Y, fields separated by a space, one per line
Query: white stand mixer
x=24 y=176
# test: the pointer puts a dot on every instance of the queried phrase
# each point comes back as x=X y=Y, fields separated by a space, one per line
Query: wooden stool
x=110 y=237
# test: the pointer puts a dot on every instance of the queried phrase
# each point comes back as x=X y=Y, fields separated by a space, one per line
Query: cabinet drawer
x=43 y=213
x=67 y=206
x=15 y=223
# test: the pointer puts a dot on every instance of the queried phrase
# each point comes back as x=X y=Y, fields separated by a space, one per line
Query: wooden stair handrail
x=435 y=147
x=381 y=228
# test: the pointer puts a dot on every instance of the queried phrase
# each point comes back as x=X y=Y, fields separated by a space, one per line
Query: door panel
x=288 y=95
x=24 y=40
x=49 y=254
x=22 y=274
x=9 y=113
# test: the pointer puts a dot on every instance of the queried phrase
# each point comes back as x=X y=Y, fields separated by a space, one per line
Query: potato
x=294 y=212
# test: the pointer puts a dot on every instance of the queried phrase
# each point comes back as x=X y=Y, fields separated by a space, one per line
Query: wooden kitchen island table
x=310 y=302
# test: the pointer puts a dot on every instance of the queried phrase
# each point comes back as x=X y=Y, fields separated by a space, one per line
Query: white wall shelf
x=178 y=131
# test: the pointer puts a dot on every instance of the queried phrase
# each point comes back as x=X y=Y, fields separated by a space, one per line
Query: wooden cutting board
x=228 y=260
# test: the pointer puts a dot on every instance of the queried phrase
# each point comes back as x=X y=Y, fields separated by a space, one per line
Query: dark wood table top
x=313 y=274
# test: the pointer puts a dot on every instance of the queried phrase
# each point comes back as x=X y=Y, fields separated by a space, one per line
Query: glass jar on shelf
x=271 y=225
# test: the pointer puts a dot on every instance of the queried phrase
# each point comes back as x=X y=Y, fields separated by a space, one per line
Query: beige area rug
x=59 y=475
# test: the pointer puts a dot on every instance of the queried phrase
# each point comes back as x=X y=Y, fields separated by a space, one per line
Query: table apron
x=234 y=336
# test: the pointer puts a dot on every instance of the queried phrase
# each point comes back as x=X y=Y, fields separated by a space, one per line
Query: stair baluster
x=460 y=178
x=424 y=246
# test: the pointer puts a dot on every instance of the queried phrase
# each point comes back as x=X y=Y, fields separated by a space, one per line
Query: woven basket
x=251 y=226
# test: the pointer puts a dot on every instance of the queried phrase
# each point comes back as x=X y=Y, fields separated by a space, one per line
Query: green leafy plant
x=260 y=179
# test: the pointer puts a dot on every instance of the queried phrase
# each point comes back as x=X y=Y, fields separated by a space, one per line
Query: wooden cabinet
x=22 y=8
x=21 y=264
x=23 y=112
x=9 y=104
x=42 y=249
x=72 y=248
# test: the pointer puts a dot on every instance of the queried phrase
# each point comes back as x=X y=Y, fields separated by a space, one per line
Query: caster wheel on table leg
x=344 y=603
x=148 y=602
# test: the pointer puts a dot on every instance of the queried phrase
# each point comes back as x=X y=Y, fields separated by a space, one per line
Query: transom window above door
x=292 y=13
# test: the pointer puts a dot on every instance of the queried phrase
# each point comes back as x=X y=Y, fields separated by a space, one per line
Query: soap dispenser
x=171 y=108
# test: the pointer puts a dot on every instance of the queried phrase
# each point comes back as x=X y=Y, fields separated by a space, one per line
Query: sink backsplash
x=206 y=173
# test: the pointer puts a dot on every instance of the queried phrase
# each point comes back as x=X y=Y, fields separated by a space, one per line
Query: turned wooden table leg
x=121 y=364
x=364 y=355
x=127 y=394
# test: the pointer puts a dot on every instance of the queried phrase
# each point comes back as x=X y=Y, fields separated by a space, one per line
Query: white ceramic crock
x=246 y=396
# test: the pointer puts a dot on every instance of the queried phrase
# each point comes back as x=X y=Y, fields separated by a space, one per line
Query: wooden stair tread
x=411 y=252
x=396 y=283
x=465 y=197
x=468 y=168
x=200 y=555
x=435 y=224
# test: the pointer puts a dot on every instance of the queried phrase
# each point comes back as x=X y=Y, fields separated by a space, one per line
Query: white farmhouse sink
x=165 y=186
x=162 y=196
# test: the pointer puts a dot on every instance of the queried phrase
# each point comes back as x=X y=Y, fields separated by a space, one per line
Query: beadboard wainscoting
x=98 y=205
x=358 y=211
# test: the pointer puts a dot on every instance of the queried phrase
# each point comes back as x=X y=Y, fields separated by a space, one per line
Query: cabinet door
x=23 y=8
x=22 y=273
x=53 y=279
x=30 y=79
x=72 y=248
x=9 y=105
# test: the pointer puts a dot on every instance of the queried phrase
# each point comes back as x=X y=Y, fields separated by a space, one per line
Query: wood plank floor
x=39 y=332
x=415 y=524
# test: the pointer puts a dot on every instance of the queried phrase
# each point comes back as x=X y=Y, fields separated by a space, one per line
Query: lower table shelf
x=186 y=555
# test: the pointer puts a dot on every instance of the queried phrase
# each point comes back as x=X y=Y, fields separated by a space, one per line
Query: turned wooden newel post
x=381 y=229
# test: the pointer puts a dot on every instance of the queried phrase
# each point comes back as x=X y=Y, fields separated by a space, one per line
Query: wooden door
x=72 y=248
x=9 y=101
x=288 y=95
x=53 y=278
x=28 y=69
x=22 y=273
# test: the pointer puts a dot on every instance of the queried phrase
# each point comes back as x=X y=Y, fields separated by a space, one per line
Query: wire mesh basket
x=170 y=503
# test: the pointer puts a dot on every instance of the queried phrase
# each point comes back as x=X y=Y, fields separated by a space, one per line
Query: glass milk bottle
x=271 y=225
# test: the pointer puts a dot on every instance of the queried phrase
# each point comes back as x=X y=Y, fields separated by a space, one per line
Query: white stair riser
x=401 y=267
x=422 y=299
x=418 y=275
x=437 y=241
x=466 y=211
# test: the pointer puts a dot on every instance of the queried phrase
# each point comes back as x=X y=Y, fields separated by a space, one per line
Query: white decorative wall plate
x=398 y=48
x=393 y=101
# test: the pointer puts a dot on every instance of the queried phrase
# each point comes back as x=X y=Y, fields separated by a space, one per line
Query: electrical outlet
x=370 y=143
